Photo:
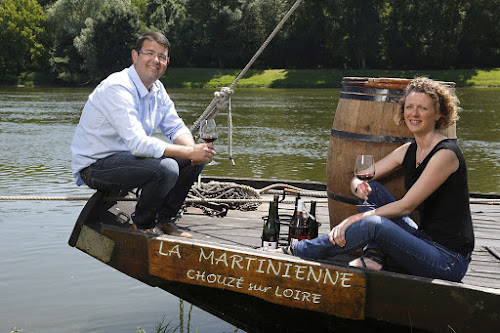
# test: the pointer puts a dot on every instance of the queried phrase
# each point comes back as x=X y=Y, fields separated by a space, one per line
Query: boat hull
x=256 y=290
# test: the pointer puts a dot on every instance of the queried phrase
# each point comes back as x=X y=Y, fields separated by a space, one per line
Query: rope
x=238 y=197
x=225 y=94
x=266 y=42
x=188 y=200
x=35 y=198
x=230 y=133
x=319 y=194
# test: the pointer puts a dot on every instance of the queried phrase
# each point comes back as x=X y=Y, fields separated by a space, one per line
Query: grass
x=317 y=78
x=161 y=327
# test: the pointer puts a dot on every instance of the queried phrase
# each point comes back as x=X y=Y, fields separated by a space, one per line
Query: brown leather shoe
x=156 y=230
x=173 y=230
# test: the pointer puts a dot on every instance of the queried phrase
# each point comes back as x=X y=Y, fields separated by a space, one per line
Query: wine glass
x=364 y=170
x=208 y=133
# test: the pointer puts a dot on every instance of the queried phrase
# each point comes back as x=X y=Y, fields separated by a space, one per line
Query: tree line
x=81 y=41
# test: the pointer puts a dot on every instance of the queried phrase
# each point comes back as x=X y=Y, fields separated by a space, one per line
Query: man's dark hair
x=154 y=37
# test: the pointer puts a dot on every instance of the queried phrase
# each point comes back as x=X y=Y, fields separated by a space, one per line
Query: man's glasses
x=161 y=57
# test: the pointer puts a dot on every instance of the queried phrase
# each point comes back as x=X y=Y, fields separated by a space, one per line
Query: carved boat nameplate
x=288 y=281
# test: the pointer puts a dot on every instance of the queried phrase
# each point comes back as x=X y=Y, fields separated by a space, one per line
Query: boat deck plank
x=243 y=228
x=435 y=303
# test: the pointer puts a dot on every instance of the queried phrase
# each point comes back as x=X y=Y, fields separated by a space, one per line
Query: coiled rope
x=222 y=99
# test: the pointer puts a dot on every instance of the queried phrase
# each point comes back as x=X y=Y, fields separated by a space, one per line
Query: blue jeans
x=399 y=239
x=164 y=183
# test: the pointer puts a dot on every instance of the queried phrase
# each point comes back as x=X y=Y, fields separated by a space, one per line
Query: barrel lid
x=382 y=82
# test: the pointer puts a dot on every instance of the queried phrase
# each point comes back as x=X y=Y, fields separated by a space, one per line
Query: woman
x=436 y=183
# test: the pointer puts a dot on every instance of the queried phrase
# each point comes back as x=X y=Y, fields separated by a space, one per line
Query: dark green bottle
x=312 y=224
x=271 y=230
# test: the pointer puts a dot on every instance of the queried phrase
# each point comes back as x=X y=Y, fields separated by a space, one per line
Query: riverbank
x=316 y=78
x=287 y=78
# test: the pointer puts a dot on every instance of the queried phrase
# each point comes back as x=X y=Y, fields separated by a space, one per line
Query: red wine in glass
x=208 y=133
x=209 y=139
x=365 y=176
x=364 y=170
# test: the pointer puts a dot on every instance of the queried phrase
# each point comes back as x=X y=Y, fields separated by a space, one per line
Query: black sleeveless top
x=445 y=215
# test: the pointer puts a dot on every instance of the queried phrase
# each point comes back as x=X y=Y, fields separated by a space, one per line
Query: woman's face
x=420 y=113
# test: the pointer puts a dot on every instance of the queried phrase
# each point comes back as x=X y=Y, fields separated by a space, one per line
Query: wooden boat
x=220 y=271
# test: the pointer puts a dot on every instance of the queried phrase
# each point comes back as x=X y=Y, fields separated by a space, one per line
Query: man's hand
x=201 y=153
x=184 y=147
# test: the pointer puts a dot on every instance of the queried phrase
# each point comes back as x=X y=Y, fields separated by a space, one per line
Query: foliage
x=316 y=78
x=106 y=41
x=481 y=43
x=22 y=38
x=90 y=38
x=430 y=36
x=161 y=328
x=67 y=61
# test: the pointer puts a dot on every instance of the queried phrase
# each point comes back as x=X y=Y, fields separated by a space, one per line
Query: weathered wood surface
x=404 y=300
x=244 y=228
x=290 y=282
x=390 y=297
x=484 y=269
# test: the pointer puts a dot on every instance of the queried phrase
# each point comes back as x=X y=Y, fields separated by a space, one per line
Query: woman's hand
x=337 y=234
x=360 y=188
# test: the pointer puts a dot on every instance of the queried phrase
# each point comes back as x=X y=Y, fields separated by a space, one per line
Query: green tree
x=311 y=30
x=66 y=20
x=141 y=7
x=169 y=18
x=45 y=3
x=107 y=40
x=22 y=38
x=270 y=13
x=210 y=31
x=480 y=44
x=420 y=35
x=251 y=33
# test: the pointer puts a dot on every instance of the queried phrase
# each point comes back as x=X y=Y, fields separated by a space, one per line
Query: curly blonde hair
x=444 y=97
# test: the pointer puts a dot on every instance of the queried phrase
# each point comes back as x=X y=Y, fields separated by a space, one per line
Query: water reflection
x=278 y=134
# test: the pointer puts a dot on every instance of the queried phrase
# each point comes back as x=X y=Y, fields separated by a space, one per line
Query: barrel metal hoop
x=370 y=137
x=372 y=91
x=376 y=98
x=341 y=198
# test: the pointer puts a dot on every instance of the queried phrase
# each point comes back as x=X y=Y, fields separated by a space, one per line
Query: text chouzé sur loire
x=275 y=268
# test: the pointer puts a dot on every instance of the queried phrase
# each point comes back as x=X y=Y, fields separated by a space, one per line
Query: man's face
x=150 y=62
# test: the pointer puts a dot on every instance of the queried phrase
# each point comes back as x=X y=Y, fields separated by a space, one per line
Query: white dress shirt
x=122 y=115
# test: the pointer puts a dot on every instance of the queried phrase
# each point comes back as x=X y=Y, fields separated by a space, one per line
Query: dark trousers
x=164 y=183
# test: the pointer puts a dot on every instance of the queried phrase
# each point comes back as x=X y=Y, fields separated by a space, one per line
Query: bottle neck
x=312 y=211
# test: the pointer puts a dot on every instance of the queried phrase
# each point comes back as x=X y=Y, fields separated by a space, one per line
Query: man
x=114 y=148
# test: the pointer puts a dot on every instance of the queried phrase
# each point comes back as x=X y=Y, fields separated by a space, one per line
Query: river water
x=47 y=286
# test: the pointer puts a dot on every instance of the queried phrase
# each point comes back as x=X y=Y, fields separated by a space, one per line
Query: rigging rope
x=213 y=191
x=224 y=96
x=319 y=194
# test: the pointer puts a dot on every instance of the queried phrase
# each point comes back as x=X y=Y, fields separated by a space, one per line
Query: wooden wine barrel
x=365 y=123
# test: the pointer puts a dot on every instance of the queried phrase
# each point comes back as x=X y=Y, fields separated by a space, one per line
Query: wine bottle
x=298 y=226
x=270 y=232
x=312 y=224
x=294 y=216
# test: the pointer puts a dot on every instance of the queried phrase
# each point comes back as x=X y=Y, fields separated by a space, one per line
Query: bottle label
x=269 y=245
